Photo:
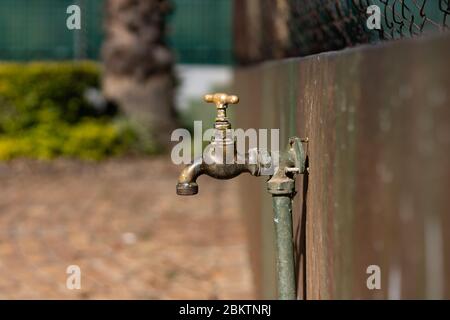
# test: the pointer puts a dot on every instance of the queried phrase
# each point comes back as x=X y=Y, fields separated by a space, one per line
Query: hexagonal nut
x=281 y=186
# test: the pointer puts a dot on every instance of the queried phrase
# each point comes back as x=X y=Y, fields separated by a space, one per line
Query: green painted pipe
x=282 y=187
x=282 y=209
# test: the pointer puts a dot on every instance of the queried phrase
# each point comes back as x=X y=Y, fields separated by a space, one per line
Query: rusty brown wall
x=378 y=192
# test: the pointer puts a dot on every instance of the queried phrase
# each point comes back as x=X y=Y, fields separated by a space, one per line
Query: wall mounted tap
x=220 y=159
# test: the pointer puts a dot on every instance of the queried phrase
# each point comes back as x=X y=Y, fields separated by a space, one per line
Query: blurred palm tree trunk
x=138 y=73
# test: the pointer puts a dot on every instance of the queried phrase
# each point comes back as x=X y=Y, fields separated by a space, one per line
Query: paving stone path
x=122 y=224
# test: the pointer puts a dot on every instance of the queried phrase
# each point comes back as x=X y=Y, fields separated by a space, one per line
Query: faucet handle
x=221 y=100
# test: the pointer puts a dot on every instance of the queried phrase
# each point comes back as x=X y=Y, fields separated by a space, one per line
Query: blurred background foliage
x=55 y=109
x=51 y=104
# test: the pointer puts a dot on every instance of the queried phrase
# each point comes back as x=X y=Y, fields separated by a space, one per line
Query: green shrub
x=40 y=92
x=43 y=113
x=94 y=141
x=87 y=140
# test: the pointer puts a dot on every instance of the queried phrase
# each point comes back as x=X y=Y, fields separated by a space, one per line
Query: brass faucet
x=220 y=159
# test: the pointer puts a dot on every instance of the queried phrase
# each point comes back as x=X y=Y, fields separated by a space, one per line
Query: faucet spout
x=214 y=167
x=187 y=181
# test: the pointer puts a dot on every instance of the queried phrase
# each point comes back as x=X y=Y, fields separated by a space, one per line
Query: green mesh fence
x=201 y=31
x=269 y=29
x=323 y=25
x=36 y=30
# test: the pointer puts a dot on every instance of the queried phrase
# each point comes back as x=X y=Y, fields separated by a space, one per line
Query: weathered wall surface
x=378 y=192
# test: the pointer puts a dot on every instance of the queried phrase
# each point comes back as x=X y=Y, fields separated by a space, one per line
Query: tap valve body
x=220 y=159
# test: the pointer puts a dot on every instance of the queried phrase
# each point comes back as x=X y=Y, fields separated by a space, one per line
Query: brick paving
x=122 y=224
